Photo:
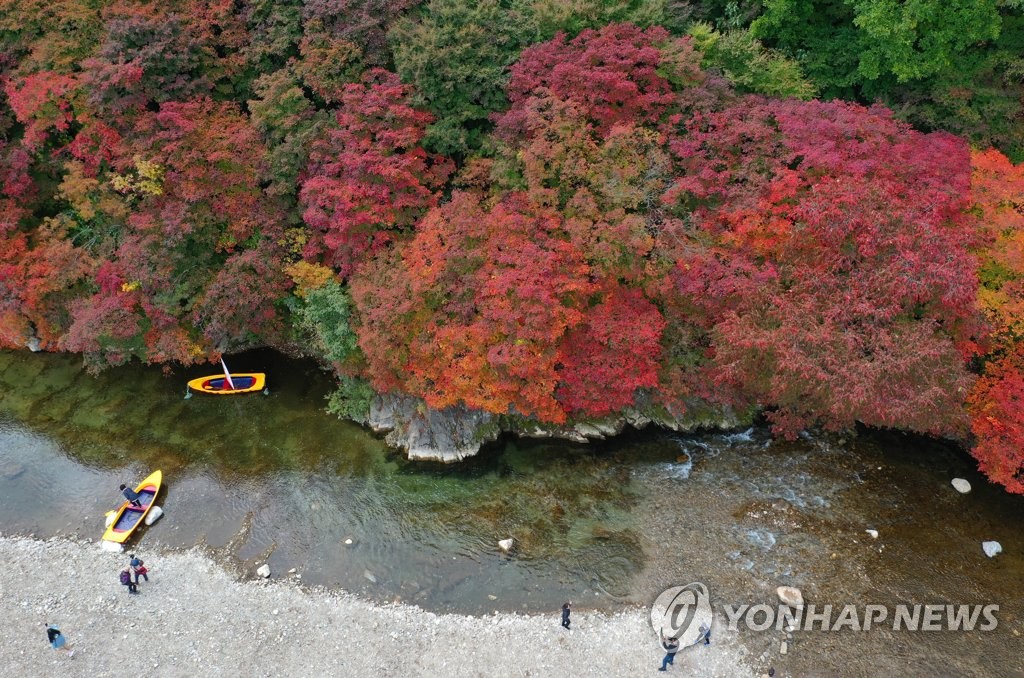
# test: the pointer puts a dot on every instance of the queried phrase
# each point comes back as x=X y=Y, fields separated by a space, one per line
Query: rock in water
x=873 y=533
x=790 y=596
x=369 y=576
x=263 y=570
x=506 y=544
x=961 y=485
x=11 y=469
x=154 y=515
x=991 y=548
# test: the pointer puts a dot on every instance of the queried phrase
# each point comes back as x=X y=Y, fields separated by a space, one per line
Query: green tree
x=457 y=57
x=748 y=65
x=914 y=39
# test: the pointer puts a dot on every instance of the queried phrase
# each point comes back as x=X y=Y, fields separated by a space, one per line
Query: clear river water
x=273 y=478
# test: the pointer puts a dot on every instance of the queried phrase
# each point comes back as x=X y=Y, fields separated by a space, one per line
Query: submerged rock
x=11 y=469
x=991 y=548
x=961 y=485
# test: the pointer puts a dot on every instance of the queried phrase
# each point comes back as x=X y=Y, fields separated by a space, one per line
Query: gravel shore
x=195 y=619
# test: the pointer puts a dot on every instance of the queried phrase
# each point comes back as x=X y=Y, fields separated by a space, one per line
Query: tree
x=42 y=103
x=748 y=65
x=997 y=421
x=614 y=352
x=995 y=403
x=369 y=179
x=456 y=57
x=997 y=194
x=612 y=75
x=488 y=297
x=918 y=39
x=848 y=296
x=196 y=268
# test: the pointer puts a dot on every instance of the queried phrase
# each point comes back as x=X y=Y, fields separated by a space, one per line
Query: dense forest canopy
x=537 y=208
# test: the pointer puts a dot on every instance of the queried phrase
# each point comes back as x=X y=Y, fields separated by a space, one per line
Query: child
x=57 y=640
x=139 y=568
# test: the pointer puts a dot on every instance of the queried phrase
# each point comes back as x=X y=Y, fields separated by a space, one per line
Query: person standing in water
x=131 y=495
x=57 y=640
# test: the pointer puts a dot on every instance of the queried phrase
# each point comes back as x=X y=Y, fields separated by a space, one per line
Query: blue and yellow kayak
x=218 y=384
x=128 y=517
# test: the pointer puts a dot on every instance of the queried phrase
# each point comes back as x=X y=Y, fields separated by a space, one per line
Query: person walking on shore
x=57 y=640
x=671 y=646
x=565 y=615
x=126 y=579
x=139 y=568
x=131 y=495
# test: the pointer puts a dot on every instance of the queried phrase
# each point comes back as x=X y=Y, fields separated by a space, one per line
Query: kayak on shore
x=127 y=517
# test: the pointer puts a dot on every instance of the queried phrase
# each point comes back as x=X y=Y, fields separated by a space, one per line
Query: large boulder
x=447 y=435
x=454 y=433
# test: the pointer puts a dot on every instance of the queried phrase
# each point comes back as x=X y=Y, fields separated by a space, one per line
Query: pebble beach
x=194 y=618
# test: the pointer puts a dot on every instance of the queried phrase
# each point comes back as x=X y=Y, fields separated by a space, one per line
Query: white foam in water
x=741 y=437
x=679 y=471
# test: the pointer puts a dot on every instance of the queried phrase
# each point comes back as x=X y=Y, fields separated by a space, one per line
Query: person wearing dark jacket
x=131 y=495
x=56 y=639
x=565 y=615
x=671 y=646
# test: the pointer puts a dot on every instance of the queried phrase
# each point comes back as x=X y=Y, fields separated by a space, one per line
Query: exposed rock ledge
x=454 y=433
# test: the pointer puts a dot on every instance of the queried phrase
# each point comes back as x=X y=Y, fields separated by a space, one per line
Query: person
x=126 y=579
x=57 y=640
x=139 y=568
x=565 y=615
x=131 y=495
x=671 y=646
x=705 y=634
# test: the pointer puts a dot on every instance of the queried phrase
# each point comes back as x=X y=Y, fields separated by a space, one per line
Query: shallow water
x=273 y=477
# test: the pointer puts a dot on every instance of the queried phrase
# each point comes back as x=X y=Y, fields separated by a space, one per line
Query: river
x=274 y=478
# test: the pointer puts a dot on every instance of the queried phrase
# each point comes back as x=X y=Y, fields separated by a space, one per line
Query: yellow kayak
x=218 y=384
x=128 y=517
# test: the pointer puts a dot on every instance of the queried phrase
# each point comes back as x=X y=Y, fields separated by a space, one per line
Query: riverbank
x=193 y=618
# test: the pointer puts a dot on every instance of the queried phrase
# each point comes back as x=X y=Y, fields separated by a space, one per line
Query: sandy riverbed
x=195 y=619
